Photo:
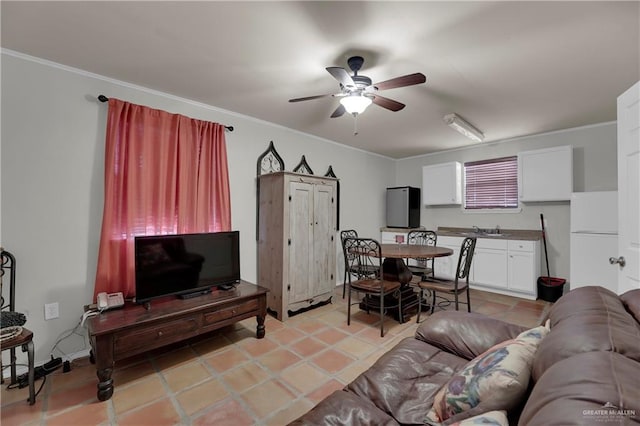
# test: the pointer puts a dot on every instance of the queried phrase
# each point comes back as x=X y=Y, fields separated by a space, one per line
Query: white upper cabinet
x=546 y=174
x=442 y=184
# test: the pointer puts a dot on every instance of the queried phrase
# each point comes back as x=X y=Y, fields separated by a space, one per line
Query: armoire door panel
x=301 y=236
x=323 y=231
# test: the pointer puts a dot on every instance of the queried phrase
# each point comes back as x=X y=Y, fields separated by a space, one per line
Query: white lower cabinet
x=490 y=263
x=524 y=266
x=502 y=266
x=445 y=267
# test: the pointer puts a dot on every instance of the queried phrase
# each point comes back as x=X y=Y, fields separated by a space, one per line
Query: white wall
x=52 y=183
x=594 y=169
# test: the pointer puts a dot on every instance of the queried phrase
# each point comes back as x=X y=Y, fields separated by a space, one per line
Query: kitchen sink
x=469 y=234
x=494 y=235
x=483 y=234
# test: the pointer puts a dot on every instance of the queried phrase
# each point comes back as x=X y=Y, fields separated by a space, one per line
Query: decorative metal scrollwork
x=270 y=161
x=303 y=167
x=330 y=172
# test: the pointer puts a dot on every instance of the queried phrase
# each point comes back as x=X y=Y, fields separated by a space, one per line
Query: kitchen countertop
x=388 y=229
x=505 y=234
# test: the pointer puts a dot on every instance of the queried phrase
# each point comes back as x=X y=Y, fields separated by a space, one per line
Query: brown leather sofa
x=586 y=371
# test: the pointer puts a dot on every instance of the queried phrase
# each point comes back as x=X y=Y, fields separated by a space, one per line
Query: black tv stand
x=194 y=294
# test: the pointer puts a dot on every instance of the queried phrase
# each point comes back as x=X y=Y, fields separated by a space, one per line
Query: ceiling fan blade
x=338 y=112
x=308 y=98
x=405 y=80
x=342 y=76
x=387 y=103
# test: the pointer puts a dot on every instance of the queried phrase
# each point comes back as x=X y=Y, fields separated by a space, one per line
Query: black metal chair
x=367 y=251
x=11 y=318
x=459 y=284
x=421 y=267
x=350 y=264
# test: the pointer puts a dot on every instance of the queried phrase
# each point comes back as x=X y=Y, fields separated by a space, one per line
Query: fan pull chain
x=355 y=124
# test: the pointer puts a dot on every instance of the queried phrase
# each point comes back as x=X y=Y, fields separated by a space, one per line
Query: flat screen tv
x=185 y=264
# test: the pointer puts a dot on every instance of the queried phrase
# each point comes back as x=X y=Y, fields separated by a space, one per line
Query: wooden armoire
x=296 y=240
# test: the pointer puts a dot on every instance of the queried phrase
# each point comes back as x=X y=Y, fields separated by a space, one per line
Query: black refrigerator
x=403 y=207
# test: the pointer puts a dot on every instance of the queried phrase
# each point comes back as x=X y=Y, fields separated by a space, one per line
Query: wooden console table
x=131 y=330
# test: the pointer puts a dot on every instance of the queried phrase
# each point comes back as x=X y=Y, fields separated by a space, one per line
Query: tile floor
x=230 y=377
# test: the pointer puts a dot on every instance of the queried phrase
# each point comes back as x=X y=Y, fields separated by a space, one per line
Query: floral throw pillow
x=499 y=375
x=492 y=418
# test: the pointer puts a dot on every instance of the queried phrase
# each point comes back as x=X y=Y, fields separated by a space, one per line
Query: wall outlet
x=51 y=311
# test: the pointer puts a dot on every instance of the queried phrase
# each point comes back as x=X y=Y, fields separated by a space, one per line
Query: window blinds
x=491 y=184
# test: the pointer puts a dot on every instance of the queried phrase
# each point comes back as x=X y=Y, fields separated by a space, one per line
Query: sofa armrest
x=631 y=302
x=464 y=334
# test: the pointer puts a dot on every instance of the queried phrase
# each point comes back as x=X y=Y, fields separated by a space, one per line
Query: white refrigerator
x=594 y=239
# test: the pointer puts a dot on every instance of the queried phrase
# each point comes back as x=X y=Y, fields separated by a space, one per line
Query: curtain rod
x=103 y=98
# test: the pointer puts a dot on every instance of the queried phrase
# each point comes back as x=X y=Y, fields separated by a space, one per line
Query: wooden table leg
x=105 y=384
x=103 y=356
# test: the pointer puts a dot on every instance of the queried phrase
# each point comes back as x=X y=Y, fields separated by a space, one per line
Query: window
x=165 y=173
x=491 y=184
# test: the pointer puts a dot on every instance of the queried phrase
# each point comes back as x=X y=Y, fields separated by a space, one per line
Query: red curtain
x=164 y=174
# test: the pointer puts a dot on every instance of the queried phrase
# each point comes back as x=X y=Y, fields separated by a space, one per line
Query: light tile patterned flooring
x=232 y=378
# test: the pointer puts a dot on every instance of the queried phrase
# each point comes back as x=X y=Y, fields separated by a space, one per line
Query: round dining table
x=394 y=255
x=395 y=269
x=413 y=251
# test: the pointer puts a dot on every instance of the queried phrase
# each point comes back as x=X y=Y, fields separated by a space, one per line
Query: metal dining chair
x=12 y=320
x=459 y=284
x=421 y=267
x=351 y=266
x=367 y=252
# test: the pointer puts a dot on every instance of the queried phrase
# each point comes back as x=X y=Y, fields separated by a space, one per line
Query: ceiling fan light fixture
x=459 y=124
x=355 y=103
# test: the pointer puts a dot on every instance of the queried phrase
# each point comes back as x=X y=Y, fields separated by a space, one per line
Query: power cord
x=49 y=367
x=41 y=372
x=17 y=385
x=68 y=333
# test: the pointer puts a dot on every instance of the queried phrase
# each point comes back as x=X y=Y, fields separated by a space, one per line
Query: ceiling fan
x=357 y=92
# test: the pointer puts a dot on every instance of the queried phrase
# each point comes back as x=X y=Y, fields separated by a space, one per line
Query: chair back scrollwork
x=348 y=233
x=424 y=238
x=366 y=255
x=466 y=256
x=7 y=271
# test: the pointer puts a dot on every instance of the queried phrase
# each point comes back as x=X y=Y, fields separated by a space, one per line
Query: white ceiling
x=510 y=68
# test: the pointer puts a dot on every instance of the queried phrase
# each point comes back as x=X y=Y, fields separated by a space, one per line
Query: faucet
x=476 y=229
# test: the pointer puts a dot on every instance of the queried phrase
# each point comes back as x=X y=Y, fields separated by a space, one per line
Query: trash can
x=550 y=289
